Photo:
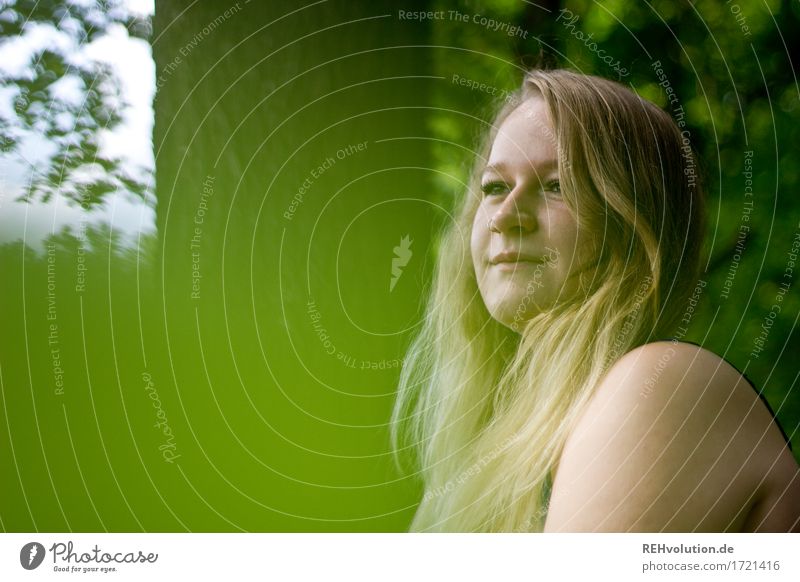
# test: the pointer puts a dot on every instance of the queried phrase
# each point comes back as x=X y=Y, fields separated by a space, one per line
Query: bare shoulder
x=674 y=439
x=677 y=373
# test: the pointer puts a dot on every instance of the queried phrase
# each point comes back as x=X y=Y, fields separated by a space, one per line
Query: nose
x=515 y=213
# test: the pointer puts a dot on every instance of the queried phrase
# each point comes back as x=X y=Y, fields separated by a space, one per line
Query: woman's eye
x=553 y=187
x=494 y=188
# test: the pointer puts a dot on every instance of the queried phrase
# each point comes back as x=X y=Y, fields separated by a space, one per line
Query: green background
x=278 y=410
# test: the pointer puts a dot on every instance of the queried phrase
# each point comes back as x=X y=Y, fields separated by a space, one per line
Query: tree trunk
x=291 y=163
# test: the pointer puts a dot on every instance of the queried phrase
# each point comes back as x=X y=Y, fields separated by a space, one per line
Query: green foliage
x=78 y=169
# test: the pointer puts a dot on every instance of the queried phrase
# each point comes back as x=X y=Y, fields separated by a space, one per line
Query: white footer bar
x=399 y=557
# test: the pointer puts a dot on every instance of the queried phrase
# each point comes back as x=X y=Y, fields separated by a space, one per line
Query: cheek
x=564 y=233
x=479 y=238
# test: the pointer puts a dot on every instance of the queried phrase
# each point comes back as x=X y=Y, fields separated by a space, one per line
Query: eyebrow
x=501 y=167
x=497 y=168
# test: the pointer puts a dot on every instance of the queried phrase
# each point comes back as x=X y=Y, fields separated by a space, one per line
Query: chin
x=514 y=313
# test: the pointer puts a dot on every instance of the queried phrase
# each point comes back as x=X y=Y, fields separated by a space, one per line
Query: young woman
x=545 y=392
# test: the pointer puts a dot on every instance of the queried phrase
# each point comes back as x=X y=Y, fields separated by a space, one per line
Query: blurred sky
x=132 y=140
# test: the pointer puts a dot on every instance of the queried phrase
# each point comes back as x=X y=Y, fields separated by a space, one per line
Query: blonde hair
x=486 y=411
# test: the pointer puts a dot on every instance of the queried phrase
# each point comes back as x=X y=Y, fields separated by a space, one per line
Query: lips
x=513 y=257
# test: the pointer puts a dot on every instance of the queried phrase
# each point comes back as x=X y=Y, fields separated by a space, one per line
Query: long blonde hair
x=485 y=410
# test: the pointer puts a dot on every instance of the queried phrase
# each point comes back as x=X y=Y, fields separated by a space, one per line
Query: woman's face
x=524 y=237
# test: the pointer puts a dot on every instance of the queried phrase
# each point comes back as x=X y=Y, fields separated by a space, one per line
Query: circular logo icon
x=31 y=555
